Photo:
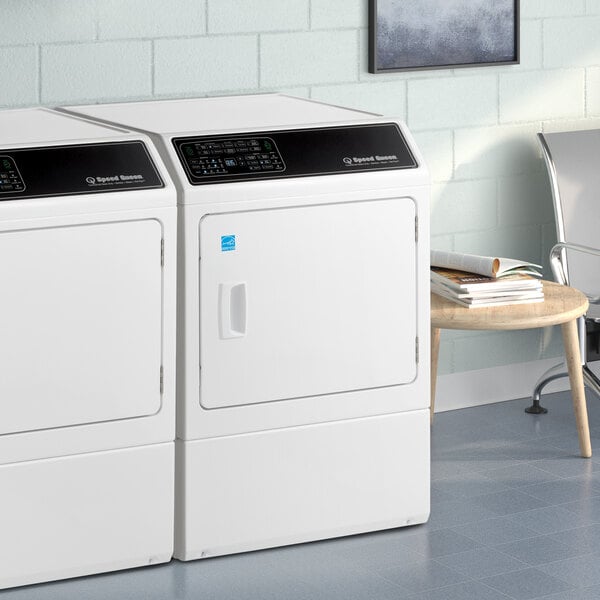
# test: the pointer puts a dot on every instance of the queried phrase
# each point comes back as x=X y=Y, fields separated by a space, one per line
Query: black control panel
x=294 y=153
x=232 y=156
x=76 y=169
x=10 y=178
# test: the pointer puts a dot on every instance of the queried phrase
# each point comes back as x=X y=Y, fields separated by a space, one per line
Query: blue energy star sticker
x=227 y=243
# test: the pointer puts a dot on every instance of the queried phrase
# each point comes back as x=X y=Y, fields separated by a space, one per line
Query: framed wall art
x=442 y=34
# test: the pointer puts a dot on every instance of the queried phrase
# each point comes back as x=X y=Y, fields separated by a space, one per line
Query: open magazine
x=489 y=266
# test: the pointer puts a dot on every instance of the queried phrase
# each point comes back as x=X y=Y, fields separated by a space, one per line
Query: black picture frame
x=381 y=59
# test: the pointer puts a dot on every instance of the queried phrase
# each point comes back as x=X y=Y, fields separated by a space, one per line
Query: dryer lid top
x=220 y=114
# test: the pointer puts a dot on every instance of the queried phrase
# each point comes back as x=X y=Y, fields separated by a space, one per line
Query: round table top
x=561 y=304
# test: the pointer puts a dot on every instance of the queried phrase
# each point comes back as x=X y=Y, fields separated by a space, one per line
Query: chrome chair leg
x=591 y=381
x=555 y=372
x=559 y=371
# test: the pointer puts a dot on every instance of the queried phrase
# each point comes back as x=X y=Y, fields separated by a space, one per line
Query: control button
x=230 y=151
x=227 y=144
x=254 y=168
x=241 y=143
x=251 y=157
x=268 y=167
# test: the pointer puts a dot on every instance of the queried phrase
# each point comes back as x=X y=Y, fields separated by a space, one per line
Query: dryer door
x=80 y=324
x=305 y=301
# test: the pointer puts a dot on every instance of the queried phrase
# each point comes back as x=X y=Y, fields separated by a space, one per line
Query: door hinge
x=162 y=252
x=162 y=379
x=417 y=349
x=416 y=229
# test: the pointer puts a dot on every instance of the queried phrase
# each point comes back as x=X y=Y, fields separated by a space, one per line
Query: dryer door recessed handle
x=232 y=310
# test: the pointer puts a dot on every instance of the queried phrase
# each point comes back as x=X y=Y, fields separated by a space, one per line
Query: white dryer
x=87 y=349
x=303 y=323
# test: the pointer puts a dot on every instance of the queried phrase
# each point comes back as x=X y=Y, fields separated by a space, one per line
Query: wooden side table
x=562 y=306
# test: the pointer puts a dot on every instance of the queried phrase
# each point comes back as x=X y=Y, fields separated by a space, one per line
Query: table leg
x=571 y=343
x=435 y=352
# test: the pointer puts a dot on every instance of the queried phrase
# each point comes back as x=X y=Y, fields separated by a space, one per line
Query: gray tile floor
x=515 y=514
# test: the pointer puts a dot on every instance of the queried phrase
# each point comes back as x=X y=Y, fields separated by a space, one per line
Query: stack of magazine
x=476 y=281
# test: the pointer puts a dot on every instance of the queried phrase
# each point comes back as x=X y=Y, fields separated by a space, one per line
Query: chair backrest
x=573 y=161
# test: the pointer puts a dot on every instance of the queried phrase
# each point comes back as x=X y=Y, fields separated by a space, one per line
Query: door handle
x=232 y=310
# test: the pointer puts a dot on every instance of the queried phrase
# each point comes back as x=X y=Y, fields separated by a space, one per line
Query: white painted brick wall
x=572 y=42
x=438 y=147
x=495 y=151
x=150 y=18
x=207 y=64
x=593 y=92
x=522 y=200
x=551 y=8
x=19 y=68
x=96 y=71
x=386 y=98
x=538 y=95
x=476 y=127
x=333 y=14
x=236 y=16
x=459 y=206
x=304 y=58
x=43 y=21
x=464 y=101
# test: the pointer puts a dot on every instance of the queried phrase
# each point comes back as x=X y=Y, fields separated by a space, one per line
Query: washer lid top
x=44 y=153
x=33 y=126
x=218 y=114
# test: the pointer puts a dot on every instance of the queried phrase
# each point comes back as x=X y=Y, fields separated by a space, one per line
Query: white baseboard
x=497 y=384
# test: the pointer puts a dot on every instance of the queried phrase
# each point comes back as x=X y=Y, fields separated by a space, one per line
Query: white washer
x=303 y=324
x=87 y=349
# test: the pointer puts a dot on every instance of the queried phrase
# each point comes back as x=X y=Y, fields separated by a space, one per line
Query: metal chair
x=573 y=162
